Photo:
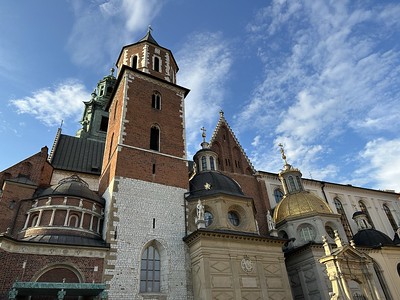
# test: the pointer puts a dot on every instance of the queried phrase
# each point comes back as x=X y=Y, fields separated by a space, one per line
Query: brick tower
x=144 y=177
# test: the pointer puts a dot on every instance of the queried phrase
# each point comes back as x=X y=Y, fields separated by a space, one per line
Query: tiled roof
x=78 y=154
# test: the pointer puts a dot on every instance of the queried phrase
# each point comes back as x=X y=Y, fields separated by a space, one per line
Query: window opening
x=155 y=138
x=203 y=163
x=154 y=169
x=343 y=219
x=212 y=164
x=156 y=64
x=208 y=218
x=390 y=217
x=134 y=61
x=104 y=123
x=233 y=218
x=150 y=270
x=292 y=187
x=156 y=101
x=365 y=211
x=278 y=195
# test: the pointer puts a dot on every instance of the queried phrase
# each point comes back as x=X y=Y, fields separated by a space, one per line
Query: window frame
x=150 y=273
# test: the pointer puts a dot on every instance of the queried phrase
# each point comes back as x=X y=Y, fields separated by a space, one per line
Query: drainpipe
x=323 y=191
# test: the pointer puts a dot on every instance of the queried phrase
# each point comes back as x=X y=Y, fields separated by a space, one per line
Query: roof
x=66 y=240
x=78 y=155
x=300 y=204
x=372 y=238
x=72 y=186
x=211 y=183
x=149 y=38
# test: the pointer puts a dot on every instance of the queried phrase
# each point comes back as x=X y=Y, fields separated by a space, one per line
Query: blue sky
x=321 y=77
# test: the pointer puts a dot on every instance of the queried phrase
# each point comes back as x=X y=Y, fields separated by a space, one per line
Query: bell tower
x=145 y=176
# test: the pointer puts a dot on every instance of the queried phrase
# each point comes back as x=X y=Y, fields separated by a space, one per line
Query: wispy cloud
x=380 y=160
x=103 y=26
x=336 y=72
x=52 y=105
x=204 y=61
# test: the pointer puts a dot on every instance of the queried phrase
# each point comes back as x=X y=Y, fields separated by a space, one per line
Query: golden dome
x=300 y=204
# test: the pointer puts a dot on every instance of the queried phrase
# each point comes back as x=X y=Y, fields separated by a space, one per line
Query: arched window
x=134 y=61
x=233 y=218
x=203 y=163
x=73 y=221
x=343 y=218
x=208 y=218
x=365 y=211
x=278 y=195
x=156 y=64
x=212 y=164
x=156 y=101
x=390 y=217
x=155 y=138
x=150 y=269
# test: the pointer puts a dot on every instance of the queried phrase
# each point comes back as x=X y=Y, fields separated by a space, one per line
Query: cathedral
x=119 y=211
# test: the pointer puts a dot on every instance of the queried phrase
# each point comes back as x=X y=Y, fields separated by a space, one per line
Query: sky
x=320 y=77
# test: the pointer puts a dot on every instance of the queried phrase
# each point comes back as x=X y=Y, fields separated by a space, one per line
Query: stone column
x=82 y=217
x=52 y=217
x=27 y=221
x=66 y=218
x=39 y=218
x=91 y=222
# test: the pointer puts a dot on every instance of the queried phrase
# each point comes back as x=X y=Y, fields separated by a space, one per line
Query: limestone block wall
x=141 y=213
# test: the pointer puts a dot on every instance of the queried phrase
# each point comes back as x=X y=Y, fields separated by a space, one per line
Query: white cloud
x=380 y=160
x=52 y=105
x=329 y=70
x=204 y=63
x=103 y=26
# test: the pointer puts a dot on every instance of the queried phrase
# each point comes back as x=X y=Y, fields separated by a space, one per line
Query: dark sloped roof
x=149 y=38
x=217 y=183
x=72 y=186
x=66 y=240
x=78 y=155
x=372 y=238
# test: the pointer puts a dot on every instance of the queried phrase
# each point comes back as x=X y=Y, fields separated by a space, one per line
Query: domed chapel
x=119 y=211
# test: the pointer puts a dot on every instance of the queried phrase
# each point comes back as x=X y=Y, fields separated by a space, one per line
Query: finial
x=112 y=71
x=149 y=29
x=203 y=134
x=221 y=113
x=283 y=153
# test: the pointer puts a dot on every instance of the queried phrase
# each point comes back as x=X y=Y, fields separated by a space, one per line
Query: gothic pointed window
x=343 y=218
x=278 y=195
x=156 y=101
x=365 y=211
x=390 y=217
x=155 y=138
x=150 y=269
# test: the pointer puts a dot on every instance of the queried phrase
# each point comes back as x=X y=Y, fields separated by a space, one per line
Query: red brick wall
x=234 y=164
x=11 y=266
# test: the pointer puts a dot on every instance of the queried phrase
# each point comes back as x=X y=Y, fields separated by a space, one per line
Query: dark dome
x=72 y=186
x=213 y=182
x=372 y=238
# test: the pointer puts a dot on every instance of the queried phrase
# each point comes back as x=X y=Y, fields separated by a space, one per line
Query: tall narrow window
x=292 y=187
x=155 y=138
x=134 y=62
x=156 y=64
x=203 y=163
x=365 y=211
x=103 y=123
x=278 y=195
x=212 y=164
x=390 y=217
x=343 y=218
x=73 y=221
x=110 y=149
x=156 y=101
x=150 y=270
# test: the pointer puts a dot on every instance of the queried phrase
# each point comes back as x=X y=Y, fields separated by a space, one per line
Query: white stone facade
x=143 y=213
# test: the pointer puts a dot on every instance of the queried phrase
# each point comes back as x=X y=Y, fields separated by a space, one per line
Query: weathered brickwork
x=142 y=213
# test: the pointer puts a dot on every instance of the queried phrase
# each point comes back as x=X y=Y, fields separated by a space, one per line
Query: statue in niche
x=271 y=223
x=200 y=211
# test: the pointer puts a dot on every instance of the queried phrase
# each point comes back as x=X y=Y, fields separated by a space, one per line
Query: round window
x=233 y=218
x=208 y=217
